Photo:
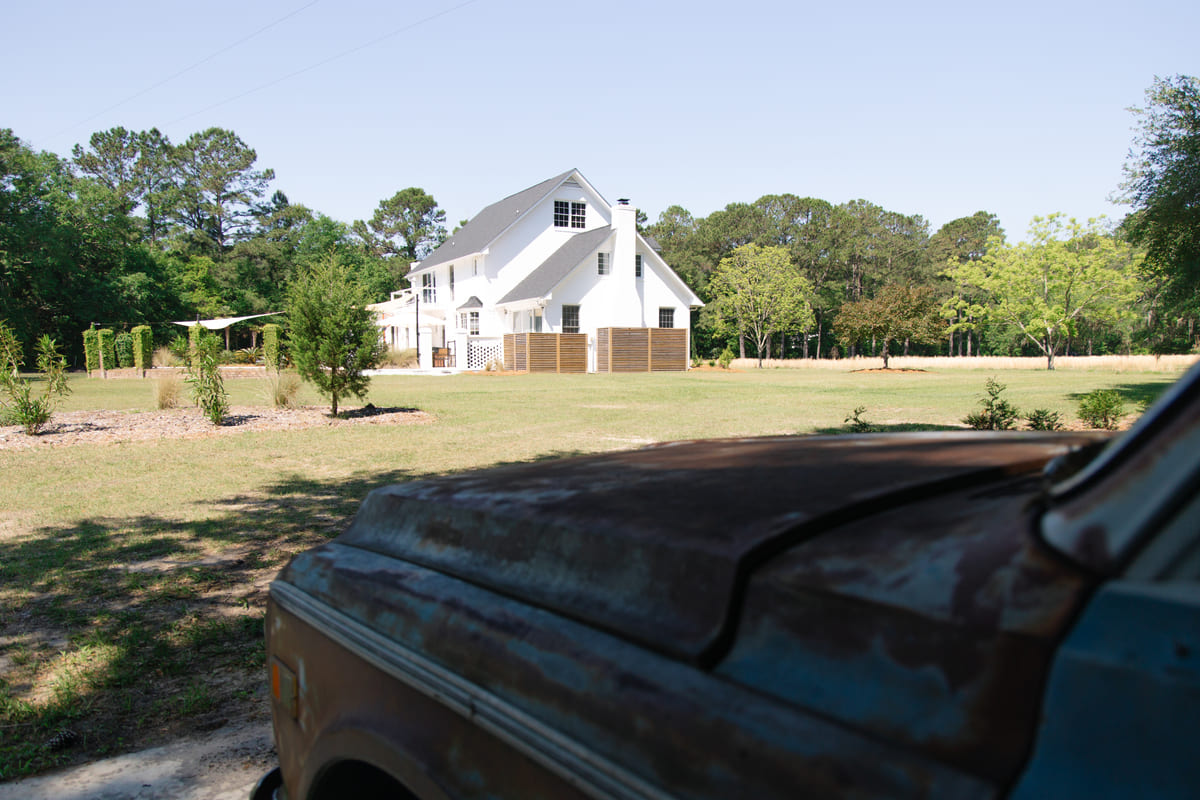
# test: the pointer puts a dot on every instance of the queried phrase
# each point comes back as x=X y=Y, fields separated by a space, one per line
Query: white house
x=554 y=258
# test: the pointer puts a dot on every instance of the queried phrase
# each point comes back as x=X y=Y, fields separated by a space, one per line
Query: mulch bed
x=68 y=428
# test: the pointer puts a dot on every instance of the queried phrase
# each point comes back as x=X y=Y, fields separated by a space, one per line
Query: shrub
x=123 y=344
x=996 y=414
x=143 y=347
x=20 y=406
x=196 y=334
x=167 y=389
x=180 y=348
x=91 y=350
x=108 y=349
x=246 y=355
x=1102 y=408
x=855 y=422
x=1042 y=419
x=204 y=376
x=270 y=346
x=726 y=358
x=400 y=359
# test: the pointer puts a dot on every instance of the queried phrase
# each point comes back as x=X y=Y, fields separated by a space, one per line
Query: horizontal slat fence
x=641 y=350
x=545 y=352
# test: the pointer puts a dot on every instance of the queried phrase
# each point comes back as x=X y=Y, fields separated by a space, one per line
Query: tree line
x=134 y=229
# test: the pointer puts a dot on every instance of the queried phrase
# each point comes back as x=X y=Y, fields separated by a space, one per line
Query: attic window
x=569 y=215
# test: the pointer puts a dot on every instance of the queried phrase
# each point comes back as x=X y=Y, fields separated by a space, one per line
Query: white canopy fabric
x=220 y=323
x=406 y=320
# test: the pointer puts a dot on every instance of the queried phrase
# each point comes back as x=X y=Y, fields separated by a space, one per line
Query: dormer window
x=570 y=215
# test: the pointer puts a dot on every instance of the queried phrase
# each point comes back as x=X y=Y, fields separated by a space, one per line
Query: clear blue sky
x=938 y=109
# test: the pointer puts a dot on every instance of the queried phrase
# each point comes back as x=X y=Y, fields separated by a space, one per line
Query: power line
x=323 y=62
x=186 y=70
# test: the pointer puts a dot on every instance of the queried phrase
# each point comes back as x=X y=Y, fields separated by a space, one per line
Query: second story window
x=570 y=215
x=603 y=264
x=637 y=265
x=429 y=288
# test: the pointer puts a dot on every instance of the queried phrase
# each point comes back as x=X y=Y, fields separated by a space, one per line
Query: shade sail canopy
x=221 y=323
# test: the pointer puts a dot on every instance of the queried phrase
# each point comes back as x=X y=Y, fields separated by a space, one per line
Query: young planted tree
x=758 y=292
x=332 y=337
x=896 y=313
x=1043 y=287
x=19 y=405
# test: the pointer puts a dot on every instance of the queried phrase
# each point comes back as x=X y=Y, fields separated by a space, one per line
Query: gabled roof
x=559 y=265
x=472 y=302
x=485 y=226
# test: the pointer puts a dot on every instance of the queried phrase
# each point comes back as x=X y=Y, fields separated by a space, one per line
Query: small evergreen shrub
x=1042 y=419
x=270 y=346
x=123 y=344
x=204 y=377
x=143 y=347
x=91 y=349
x=726 y=358
x=108 y=349
x=996 y=413
x=1102 y=408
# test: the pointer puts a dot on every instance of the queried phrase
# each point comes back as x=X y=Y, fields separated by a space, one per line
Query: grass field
x=132 y=576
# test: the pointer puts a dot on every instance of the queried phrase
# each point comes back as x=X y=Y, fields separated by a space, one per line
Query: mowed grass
x=132 y=576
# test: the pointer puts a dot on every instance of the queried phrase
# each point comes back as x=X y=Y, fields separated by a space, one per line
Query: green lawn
x=132 y=575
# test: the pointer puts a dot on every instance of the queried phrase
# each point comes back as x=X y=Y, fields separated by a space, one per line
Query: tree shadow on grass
x=134 y=631
x=903 y=427
x=1139 y=395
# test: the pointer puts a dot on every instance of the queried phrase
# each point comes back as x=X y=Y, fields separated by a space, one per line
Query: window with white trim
x=666 y=318
x=429 y=287
x=570 y=215
x=637 y=265
x=603 y=263
x=570 y=319
x=451 y=283
x=470 y=322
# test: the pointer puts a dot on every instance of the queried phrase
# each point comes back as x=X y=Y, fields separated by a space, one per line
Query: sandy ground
x=221 y=765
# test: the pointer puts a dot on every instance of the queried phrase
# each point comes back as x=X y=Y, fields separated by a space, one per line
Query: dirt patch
x=889 y=369
x=68 y=428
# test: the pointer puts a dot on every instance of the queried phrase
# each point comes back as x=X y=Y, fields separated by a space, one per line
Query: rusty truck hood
x=657 y=545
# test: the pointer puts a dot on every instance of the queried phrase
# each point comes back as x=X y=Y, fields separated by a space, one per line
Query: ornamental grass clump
x=19 y=405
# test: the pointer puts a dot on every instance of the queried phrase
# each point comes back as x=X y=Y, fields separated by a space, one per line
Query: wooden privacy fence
x=546 y=352
x=641 y=350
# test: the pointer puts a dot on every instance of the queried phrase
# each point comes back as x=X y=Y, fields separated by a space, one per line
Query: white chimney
x=627 y=303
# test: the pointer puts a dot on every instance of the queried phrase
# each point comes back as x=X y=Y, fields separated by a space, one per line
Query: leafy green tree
x=957 y=242
x=217 y=187
x=204 y=377
x=757 y=292
x=1162 y=183
x=897 y=313
x=406 y=226
x=332 y=337
x=1045 y=286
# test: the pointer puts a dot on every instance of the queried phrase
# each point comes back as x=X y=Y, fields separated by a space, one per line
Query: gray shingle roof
x=473 y=302
x=542 y=280
x=485 y=226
